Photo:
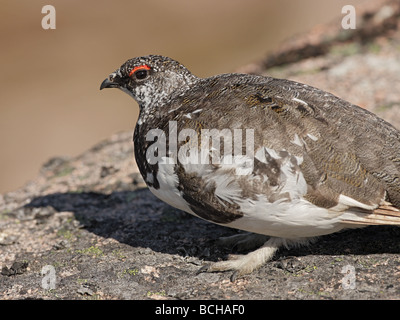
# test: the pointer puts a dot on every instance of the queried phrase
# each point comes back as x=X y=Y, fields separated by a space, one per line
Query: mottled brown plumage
x=319 y=164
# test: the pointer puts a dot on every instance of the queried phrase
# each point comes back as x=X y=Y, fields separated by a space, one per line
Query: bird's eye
x=141 y=74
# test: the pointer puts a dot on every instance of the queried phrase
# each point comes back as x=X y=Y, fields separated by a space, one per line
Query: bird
x=282 y=161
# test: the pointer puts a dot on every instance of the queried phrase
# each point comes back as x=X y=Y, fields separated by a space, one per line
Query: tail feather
x=386 y=214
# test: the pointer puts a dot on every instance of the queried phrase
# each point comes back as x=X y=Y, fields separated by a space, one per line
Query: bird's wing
x=354 y=161
x=303 y=133
x=329 y=130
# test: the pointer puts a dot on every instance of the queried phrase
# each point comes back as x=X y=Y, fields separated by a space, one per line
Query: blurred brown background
x=50 y=103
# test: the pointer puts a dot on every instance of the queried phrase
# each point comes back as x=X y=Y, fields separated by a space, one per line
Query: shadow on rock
x=136 y=218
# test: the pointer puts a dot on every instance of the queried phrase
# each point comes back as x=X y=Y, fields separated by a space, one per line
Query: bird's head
x=151 y=79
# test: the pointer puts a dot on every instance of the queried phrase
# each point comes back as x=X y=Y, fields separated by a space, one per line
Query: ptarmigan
x=270 y=156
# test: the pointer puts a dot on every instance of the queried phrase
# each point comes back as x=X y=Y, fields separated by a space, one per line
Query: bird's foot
x=245 y=264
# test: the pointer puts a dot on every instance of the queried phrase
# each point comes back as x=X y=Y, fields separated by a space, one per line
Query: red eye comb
x=143 y=67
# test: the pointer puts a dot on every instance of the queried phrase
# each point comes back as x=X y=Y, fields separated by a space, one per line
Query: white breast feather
x=288 y=218
x=168 y=191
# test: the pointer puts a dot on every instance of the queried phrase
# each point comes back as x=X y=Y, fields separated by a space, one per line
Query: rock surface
x=87 y=228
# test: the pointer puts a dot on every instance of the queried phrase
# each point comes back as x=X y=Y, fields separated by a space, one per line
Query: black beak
x=108 y=84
